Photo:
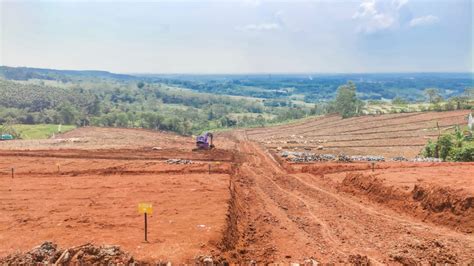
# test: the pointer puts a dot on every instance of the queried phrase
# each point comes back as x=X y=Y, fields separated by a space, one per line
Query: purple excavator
x=204 y=142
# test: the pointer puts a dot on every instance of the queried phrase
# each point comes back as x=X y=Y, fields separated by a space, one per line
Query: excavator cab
x=204 y=142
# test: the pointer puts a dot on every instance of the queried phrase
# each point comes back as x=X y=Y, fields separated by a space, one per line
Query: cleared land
x=253 y=206
x=387 y=135
x=77 y=196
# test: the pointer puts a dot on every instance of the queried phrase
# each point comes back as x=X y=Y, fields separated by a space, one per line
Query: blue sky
x=246 y=36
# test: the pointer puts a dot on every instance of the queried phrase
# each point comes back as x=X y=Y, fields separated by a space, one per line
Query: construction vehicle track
x=328 y=224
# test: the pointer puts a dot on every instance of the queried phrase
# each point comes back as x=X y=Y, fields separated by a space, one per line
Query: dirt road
x=284 y=217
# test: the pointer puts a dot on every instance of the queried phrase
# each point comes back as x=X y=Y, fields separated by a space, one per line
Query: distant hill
x=321 y=87
x=309 y=88
x=26 y=73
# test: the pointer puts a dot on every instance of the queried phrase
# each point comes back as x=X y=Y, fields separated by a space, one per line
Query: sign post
x=145 y=208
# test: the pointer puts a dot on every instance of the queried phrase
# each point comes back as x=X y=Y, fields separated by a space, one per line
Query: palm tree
x=458 y=137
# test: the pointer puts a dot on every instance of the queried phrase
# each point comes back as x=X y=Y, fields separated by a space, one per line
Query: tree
x=458 y=137
x=140 y=84
x=432 y=94
x=399 y=101
x=94 y=107
x=260 y=120
x=314 y=110
x=458 y=101
x=469 y=93
x=429 y=150
x=68 y=114
x=445 y=144
x=347 y=103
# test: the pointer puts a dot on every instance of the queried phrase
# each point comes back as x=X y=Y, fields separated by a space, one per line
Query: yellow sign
x=145 y=208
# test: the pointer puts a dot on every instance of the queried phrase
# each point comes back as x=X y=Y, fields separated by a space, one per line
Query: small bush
x=445 y=144
x=429 y=150
x=464 y=154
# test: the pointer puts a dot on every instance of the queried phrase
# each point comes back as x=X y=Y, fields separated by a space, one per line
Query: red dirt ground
x=251 y=208
x=95 y=200
x=93 y=138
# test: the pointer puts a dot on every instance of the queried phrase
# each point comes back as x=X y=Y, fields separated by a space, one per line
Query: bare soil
x=388 y=135
x=252 y=206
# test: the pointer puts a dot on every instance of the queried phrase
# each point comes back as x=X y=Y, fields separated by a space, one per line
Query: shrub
x=429 y=150
x=445 y=144
x=464 y=154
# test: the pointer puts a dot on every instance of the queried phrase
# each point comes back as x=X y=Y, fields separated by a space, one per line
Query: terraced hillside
x=388 y=135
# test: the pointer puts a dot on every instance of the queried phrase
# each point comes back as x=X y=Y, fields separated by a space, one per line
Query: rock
x=178 y=161
x=369 y=158
x=400 y=159
x=48 y=253
x=204 y=260
x=427 y=159
x=156 y=148
x=310 y=262
x=319 y=147
x=359 y=260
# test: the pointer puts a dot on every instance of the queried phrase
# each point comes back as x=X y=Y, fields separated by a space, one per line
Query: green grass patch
x=40 y=131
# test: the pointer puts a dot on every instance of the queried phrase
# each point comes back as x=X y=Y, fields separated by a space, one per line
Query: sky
x=240 y=36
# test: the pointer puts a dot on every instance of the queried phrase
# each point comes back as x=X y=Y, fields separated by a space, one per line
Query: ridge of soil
x=441 y=205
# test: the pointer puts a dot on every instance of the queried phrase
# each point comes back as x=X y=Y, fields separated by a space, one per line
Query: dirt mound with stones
x=88 y=254
x=440 y=205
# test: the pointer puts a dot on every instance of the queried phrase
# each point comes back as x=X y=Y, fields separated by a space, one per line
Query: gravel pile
x=399 y=159
x=427 y=159
x=303 y=157
x=178 y=161
x=299 y=157
x=88 y=254
x=343 y=158
x=368 y=158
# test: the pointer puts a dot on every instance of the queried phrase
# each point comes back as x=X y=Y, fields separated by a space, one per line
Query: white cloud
x=252 y=3
x=366 y=9
x=399 y=3
x=259 y=27
x=377 y=15
x=276 y=23
x=424 y=21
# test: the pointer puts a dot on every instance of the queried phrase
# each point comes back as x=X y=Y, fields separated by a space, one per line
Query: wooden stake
x=146 y=229
x=13 y=172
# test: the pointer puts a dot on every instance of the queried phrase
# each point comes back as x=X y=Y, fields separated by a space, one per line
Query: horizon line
x=250 y=73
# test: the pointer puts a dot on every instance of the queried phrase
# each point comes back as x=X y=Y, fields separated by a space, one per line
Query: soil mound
x=88 y=254
x=440 y=205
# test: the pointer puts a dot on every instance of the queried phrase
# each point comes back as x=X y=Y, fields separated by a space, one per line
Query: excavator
x=204 y=142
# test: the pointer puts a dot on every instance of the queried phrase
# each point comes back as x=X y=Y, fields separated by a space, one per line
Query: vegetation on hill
x=321 y=88
x=154 y=106
x=191 y=104
x=26 y=73
x=457 y=146
x=40 y=131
